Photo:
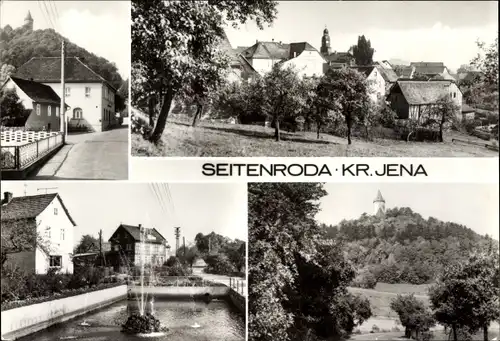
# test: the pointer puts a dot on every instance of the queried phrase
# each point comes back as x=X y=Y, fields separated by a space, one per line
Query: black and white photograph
x=314 y=78
x=100 y=261
x=373 y=261
x=64 y=70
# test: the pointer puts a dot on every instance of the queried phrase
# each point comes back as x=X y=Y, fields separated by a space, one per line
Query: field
x=236 y=140
x=380 y=297
x=387 y=320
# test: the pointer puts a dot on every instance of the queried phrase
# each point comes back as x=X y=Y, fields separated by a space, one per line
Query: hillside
x=19 y=45
x=403 y=247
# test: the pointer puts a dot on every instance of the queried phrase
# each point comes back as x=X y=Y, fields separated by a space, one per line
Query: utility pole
x=184 y=245
x=62 y=110
x=177 y=235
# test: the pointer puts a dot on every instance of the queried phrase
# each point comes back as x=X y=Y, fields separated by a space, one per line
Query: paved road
x=91 y=156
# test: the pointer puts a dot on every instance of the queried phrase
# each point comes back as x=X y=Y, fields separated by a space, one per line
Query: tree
x=315 y=111
x=363 y=51
x=467 y=294
x=21 y=235
x=14 y=113
x=464 y=68
x=344 y=91
x=188 y=254
x=420 y=77
x=86 y=243
x=487 y=62
x=282 y=95
x=442 y=114
x=176 y=42
x=413 y=314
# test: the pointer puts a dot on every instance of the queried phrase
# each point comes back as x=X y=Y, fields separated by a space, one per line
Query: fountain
x=143 y=323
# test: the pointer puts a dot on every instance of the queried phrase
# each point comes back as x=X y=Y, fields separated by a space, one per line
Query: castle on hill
x=379 y=205
x=28 y=22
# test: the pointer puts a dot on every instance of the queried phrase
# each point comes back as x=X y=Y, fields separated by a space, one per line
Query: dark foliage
x=142 y=324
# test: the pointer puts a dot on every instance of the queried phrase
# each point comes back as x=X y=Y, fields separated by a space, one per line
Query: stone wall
x=238 y=300
x=19 y=322
x=172 y=291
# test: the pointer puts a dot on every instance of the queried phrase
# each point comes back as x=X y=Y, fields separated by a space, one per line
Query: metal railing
x=238 y=285
x=28 y=149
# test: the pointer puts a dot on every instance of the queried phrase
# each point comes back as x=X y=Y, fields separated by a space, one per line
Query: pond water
x=216 y=320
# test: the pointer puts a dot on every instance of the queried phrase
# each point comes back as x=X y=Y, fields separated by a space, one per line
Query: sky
x=204 y=208
x=411 y=31
x=473 y=205
x=101 y=27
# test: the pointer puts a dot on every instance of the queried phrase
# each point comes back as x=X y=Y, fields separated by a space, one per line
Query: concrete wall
x=26 y=320
x=181 y=291
x=238 y=300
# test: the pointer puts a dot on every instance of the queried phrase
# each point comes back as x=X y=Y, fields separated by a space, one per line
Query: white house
x=376 y=81
x=306 y=59
x=48 y=216
x=91 y=97
x=263 y=55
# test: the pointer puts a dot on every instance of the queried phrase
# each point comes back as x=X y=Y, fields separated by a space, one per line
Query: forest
x=402 y=246
x=19 y=45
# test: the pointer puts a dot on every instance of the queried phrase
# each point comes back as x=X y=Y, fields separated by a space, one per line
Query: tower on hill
x=379 y=205
x=28 y=21
x=325 y=43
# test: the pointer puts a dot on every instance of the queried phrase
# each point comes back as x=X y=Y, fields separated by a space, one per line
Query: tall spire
x=379 y=205
x=325 y=43
x=28 y=21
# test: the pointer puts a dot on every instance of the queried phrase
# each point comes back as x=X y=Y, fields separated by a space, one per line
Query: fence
x=238 y=285
x=21 y=149
x=171 y=281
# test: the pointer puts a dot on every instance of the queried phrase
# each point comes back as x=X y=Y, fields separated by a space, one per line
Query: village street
x=91 y=156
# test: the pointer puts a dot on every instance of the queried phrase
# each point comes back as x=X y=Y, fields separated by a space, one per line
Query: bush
x=365 y=280
x=143 y=324
x=375 y=329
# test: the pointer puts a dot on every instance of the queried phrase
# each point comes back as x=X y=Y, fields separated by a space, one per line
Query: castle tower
x=379 y=205
x=325 y=43
x=28 y=21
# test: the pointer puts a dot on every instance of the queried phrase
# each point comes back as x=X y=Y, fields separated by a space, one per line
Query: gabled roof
x=135 y=233
x=389 y=75
x=30 y=207
x=38 y=92
x=267 y=50
x=405 y=71
x=48 y=70
x=379 y=197
x=365 y=70
x=422 y=92
x=428 y=68
x=199 y=263
x=295 y=49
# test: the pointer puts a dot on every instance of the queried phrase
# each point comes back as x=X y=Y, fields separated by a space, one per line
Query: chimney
x=7 y=197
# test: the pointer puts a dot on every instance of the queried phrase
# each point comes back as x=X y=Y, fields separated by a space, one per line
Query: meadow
x=238 y=140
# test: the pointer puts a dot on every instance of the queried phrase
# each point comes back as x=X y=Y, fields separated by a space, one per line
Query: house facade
x=48 y=218
x=41 y=100
x=411 y=99
x=305 y=59
x=126 y=244
x=376 y=82
x=263 y=55
x=90 y=97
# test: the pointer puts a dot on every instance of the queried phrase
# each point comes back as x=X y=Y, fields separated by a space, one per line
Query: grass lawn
x=233 y=140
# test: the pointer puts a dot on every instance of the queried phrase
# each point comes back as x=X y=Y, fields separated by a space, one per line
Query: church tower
x=325 y=43
x=28 y=22
x=379 y=205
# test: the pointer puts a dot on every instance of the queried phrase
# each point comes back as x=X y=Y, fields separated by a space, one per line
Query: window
x=129 y=247
x=57 y=111
x=62 y=234
x=38 y=109
x=47 y=231
x=49 y=110
x=77 y=113
x=454 y=95
x=55 y=211
x=67 y=91
x=105 y=92
x=55 y=261
x=87 y=91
